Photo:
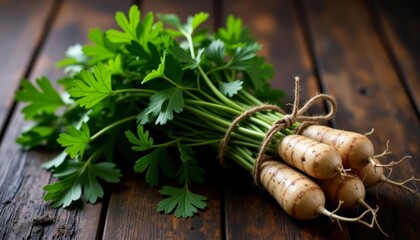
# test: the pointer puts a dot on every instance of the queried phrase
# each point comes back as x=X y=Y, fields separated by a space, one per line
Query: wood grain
x=132 y=211
x=251 y=214
x=21 y=30
x=401 y=26
x=355 y=67
x=364 y=53
x=21 y=177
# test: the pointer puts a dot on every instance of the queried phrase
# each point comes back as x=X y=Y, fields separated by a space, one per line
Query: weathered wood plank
x=132 y=211
x=401 y=25
x=251 y=214
x=21 y=27
x=355 y=67
x=132 y=214
x=23 y=213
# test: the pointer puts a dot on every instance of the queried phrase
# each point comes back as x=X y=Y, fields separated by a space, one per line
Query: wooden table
x=365 y=53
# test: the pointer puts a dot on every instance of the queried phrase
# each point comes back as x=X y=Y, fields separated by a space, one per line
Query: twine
x=286 y=121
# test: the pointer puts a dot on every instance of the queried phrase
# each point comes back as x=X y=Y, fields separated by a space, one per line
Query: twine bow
x=297 y=115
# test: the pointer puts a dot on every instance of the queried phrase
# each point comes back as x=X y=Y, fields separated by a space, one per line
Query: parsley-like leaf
x=80 y=177
x=230 y=88
x=75 y=140
x=216 y=52
x=198 y=19
x=182 y=201
x=163 y=104
x=189 y=171
x=92 y=189
x=92 y=87
x=141 y=143
x=35 y=136
x=40 y=96
x=142 y=59
x=128 y=25
x=157 y=73
x=243 y=55
x=185 y=58
x=151 y=162
x=102 y=49
x=234 y=35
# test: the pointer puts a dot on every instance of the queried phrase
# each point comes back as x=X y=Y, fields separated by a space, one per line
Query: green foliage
x=178 y=81
x=40 y=97
x=181 y=201
x=91 y=88
x=80 y=177
x=142 y=141
x=102 y=49
x=75 y=140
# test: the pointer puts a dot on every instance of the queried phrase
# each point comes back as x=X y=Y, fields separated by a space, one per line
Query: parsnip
x=349 y=189
x=372 y=176
x=356 y=150
x=316 y=159
x=297 y=194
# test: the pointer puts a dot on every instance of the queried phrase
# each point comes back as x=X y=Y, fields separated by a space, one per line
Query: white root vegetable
x=297 y=194
x=356 y=150
x=372 y=176
x=316 y=159
x=349 y=189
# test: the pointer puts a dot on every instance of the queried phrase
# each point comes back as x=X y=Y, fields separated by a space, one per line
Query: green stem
x=146 y=92
x=213 y=106
x=103 y=130
x=213 y=88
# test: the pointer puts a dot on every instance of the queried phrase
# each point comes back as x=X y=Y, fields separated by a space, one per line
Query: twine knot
x=288 y=120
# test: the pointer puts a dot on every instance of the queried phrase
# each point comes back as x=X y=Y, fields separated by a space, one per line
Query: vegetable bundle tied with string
x=146 y=91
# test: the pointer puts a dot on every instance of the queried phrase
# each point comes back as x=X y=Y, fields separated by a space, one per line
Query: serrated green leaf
x=156 y=73
x=216 y=52
x=75 y=140
x=163 y=104
x=234 y=35
x=128 y=25
x=243 y=55
x=92 y=87
x=141 y=143
x=230 y=88
x=181 y=201
x=198 y=19
x=151 y=162
x=40 y=97
x=78 y=178
x=102 y=49
x=148 y=31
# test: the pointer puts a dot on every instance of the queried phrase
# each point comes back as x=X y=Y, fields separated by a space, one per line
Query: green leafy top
x=92 y=87
x=41 y=98
x=164 y=78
